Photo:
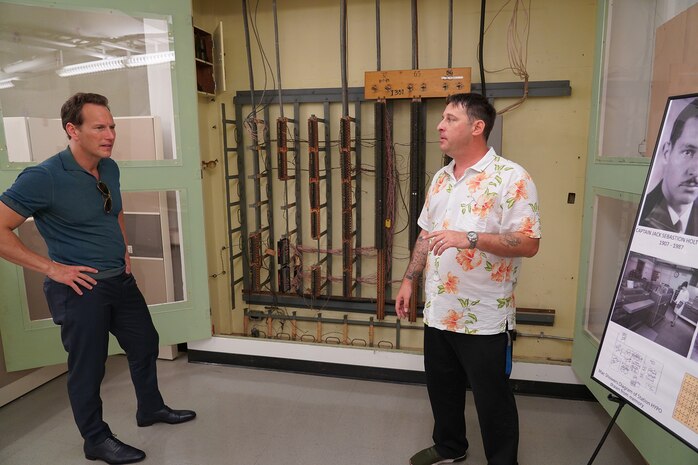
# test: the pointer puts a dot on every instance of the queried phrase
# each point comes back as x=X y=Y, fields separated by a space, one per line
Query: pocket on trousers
x=57 y=295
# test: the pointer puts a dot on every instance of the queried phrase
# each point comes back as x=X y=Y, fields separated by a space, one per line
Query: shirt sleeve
x=32 y=191
x=520 y=206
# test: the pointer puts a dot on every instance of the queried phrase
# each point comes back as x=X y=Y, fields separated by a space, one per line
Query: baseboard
x=31 y=381
x=369 y=364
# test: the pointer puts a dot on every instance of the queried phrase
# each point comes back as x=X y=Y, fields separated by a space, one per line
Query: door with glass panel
x=143 y=62
x=644 y=54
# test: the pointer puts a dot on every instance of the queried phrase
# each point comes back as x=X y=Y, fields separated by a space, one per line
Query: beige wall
x=548 y=135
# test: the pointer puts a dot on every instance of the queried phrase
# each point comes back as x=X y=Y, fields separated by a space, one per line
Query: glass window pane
x=153 y=229
x=613 y=223
x=154 y=242
x=629 y=74
x=48 y=54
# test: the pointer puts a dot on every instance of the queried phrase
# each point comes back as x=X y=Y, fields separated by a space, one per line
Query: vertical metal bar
x=228 y=200
x=417 y=164
x=481 y=46
x=415 y=36
x=379 y=160
x=240 y=149
x=378 y=35
x=328 y=186
x=357 y=189
x=343 y=55
x=415 y=185
x=347 y=207
x=450 y=34
x=270 y=201
x=254 y=147
x=256 y=260
x=389 y=208
x=422 y=152
x=297 y=183
x=278 y=57
x=314 y=180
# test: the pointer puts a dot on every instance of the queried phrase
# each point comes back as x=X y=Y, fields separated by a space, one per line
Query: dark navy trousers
x=452 y=361
x=115 y=305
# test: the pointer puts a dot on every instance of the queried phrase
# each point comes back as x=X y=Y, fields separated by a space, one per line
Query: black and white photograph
x=659 y=301
x=672 y=190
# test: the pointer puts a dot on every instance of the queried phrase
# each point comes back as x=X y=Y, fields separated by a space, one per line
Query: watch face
x=472 y=237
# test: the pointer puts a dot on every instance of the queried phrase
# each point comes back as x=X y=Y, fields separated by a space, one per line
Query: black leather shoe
x=165 y=415
x=111 y=450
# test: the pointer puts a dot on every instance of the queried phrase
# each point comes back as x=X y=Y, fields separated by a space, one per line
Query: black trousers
x=453 y=361
x=114 y=305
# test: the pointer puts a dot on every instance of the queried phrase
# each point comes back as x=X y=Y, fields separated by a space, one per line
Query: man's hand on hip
x=73 y=276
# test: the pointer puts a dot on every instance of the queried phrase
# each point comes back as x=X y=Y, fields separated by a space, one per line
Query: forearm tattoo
x=510 y=240
x=418 y=260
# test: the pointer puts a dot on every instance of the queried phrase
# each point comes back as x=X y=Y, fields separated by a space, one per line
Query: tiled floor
x=257 y=417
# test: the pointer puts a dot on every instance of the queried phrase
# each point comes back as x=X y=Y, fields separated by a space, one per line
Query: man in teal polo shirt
x=75 y=200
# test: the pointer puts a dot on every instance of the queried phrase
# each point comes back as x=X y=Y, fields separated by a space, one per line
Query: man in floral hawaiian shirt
x=480 y=217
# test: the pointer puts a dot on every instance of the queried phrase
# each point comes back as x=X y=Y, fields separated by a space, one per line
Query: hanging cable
x=249 y=53
x=517 y=46
x=450 y=34
x=481 y=46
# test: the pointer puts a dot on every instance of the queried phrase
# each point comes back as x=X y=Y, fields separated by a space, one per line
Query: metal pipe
x=542 y=335
x=415 y=37
x=249 y=54
x=343 y=53
x=339 y=321
x=450 y=34
x=278 y=57
x=226 y=162
x=378 y=35
x=480 y=47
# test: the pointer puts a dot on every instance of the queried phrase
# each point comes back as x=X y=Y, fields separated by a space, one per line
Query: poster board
x=648 y=355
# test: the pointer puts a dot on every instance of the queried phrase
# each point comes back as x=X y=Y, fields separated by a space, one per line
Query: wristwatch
x=472 y=237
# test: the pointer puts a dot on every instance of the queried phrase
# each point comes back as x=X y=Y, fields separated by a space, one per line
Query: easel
x=620 y=403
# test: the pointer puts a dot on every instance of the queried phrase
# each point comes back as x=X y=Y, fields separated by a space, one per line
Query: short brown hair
x=476 y=107
x=71 y=111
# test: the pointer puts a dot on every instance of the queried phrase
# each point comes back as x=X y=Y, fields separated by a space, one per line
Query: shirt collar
x=675 y=217
x=479 y=166
x=69 y=163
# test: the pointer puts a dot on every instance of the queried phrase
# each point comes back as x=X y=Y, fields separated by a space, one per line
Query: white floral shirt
x=468 y=290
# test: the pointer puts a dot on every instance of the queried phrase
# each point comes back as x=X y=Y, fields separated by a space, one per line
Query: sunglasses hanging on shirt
x=104 y=190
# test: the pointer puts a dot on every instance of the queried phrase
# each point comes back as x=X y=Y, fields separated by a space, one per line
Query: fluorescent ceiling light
x=91 y=67
x=150 y=59
x=112 y=64
x=7 y=83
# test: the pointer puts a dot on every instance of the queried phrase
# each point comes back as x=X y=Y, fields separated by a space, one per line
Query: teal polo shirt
x=68 y=210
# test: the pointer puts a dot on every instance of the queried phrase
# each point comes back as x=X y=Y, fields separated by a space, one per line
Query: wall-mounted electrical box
x=209 y=58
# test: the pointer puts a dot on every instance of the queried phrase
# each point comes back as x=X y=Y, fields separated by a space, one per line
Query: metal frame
x=327 y=97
